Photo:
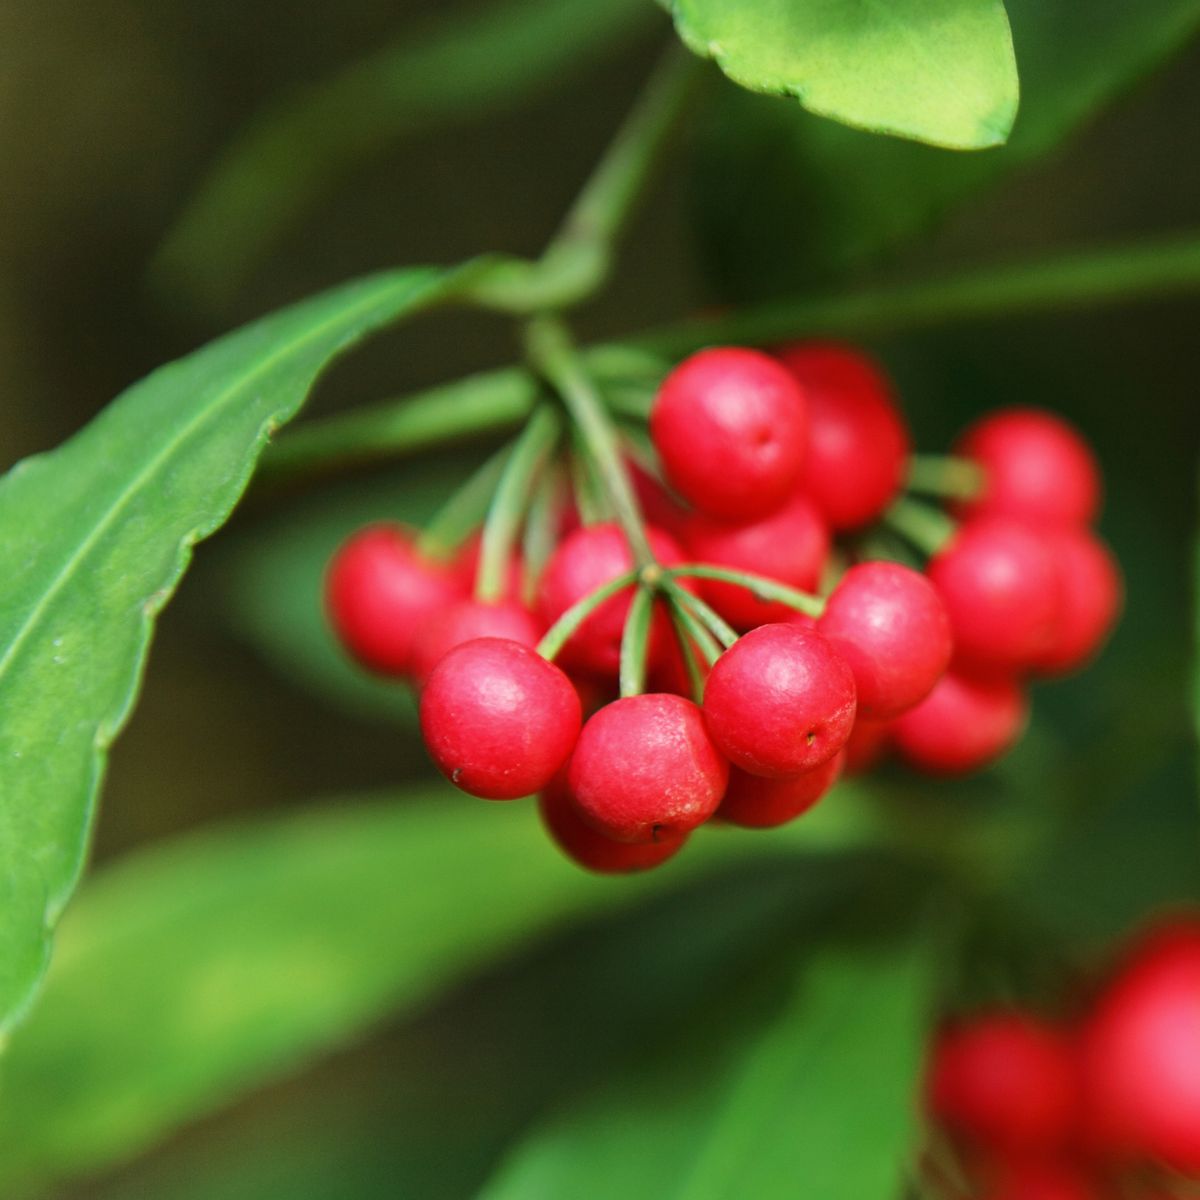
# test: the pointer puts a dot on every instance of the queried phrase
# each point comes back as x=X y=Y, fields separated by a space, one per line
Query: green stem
x=685 y=640
x=708 y=616
x=551 y=352
x=589 y=499
x=541 y=528
x=926 y=527
x=560 y=632
x=634 y=641
x=759 y=586
x=943 y=475
x=709 y=646
x=466 y=508
x=512 y=500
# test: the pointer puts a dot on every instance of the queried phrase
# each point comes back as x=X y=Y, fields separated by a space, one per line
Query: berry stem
x=713 y=621
x=529 y=454
x=689 y=627
x=635 y=639
x=560 y=632
x=542 y=527
x=759 y=586
x=944 y=475
x=925 y=527
x=465 y=509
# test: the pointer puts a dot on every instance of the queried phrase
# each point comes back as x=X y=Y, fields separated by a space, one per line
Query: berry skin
x=1036 y=1179
x=1090 y=594
x=378 y=591
x=645 y=768
x=1141 y=1054
x=858 y=443
x=1000 y=587
x=869 y=741
x=730 y=427
x=585 y=560
x=780 y=701
x=1037 y=469
x=962 y=725
x=790 y=545
x=465 y=621
x=1005 y=1082
x=759 y=803
x=498 y=719
x=889 y=623
x=592 y=850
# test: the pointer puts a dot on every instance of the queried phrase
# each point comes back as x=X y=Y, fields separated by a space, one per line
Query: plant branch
x=759 y=586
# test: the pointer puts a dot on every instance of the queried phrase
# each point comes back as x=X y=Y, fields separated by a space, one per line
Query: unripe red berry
x=963 y=724
x=889 y=623
x=790 y=546
x=780 y=701
x=592 y=850
x=498 y=719
x=379 y=589
x=858 y=443
x=645 y=768
x=760 y=803
x=1089 y=590
x=1040 y=1179
x=1037 y=468
x=730 y=427
x=999 y=584
x=464 y=622
x=1006 y=1082
x=585 y=560
x=1141 y=1054
x=868 y=743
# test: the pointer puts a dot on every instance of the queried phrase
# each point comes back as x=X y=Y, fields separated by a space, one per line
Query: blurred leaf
x=837 y=198
x=270 y=179
x=191 y=972
x=813 y=1096
x=94 y=537
x=940 y=71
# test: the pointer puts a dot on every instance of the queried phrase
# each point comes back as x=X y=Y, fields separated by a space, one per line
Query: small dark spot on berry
x=810 y=736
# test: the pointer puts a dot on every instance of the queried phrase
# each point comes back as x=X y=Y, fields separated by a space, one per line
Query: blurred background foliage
x=376 y=998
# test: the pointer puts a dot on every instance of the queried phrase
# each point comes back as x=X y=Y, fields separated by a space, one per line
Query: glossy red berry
x=1000 y=586
x=790 y=545
x=379 y=589
x=1090 y=592
x=1004 y=1081
x=645 y=768
x=1040 y=1179
x=1141 y=1054
x=962 y=725
x=780 y=701
x=868 y=743
x=858 y=443
x=760 y=803
x=1037 y=468
x=498 y=719
x=730 y=427
x=585 y=560
x=592 y=850
x=889 y=623
x=464 y=622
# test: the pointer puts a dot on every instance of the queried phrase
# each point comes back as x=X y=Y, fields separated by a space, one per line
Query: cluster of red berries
x=776 y=656
x=1105 y=1107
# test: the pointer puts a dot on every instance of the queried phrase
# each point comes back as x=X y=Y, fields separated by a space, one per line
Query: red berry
x=1000 y=586
x=868 y=743
x=645 y=768
x=760 y=803
x=658 y=506
x=962 y=725
x=464 y=622
x=581 y=843
x=889 y=623
x=498 y=719
x=1089 y=590
x=585 y=560
x=858 y=443
x=780 y=701
x=1037 y=468
x=1004 y=1081
x=1037 y=1179
x=379 y=589
x=790 y=546
x=1141 y=1054
x=730 y=427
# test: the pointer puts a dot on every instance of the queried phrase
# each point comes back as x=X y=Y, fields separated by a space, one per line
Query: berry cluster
x=1106 y=1106
x=773 y=624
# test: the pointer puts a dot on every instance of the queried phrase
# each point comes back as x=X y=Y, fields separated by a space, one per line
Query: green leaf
x=838 y=198
x=939 y=71
x=283 y=165
x=759 y=1096
x=93 y=540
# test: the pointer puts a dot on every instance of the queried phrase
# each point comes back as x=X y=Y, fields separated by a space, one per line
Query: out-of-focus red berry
x=1090 y=593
